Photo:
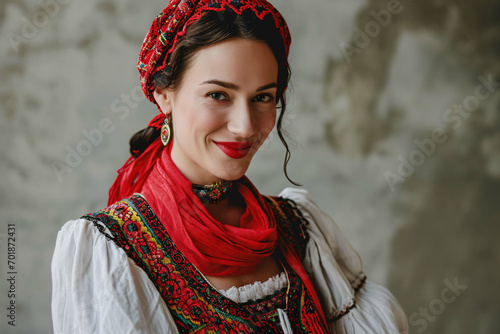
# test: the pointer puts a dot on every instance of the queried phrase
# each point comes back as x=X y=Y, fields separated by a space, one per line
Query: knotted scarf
x=199 y=236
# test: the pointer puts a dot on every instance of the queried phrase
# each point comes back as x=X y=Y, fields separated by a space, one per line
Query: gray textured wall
x=395 y=134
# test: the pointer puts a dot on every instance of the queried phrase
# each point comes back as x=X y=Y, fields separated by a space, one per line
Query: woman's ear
x=163 y=97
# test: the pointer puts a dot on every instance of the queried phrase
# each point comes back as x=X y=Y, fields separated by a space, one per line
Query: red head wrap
x=172 y=22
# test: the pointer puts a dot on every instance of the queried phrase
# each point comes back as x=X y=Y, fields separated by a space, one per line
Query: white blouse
x=257 y=290
x=96 y=288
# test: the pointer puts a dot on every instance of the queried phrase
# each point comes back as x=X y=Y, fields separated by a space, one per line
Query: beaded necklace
x=213 y=193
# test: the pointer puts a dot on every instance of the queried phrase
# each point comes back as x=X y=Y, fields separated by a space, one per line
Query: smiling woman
x=222 y=111
x=187 y=243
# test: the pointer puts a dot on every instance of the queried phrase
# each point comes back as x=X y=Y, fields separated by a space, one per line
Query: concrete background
x=393 y=131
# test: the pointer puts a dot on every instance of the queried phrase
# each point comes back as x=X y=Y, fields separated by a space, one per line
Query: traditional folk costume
x=138 y=265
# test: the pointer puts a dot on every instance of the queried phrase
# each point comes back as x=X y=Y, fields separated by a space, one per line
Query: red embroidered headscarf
x=210 y=246
x=173 y=21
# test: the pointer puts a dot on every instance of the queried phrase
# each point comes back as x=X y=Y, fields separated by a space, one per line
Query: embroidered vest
x=195 y=305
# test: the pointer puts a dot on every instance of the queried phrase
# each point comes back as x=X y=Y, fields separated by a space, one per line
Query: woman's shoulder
x=320 y=225
x=105 y=223
x=92 y=278
x=95 y=238
x=326 y=235
x=299 y=203
x=301 y=219
x=335 y=267
x=78 y=229
x=110 y=219
x=300 y=197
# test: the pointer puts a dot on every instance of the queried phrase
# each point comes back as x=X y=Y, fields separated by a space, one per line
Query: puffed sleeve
x=352 y=303
x=96 y=288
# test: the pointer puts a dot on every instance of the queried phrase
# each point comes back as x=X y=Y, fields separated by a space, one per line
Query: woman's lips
x=234 y=149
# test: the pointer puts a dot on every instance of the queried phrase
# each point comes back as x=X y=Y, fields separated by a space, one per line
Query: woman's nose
x=241 y=121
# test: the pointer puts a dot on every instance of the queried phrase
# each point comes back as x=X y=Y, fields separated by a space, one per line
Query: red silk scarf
x=214 y=248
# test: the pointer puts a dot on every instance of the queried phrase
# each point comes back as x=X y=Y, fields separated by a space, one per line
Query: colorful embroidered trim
x=195 y=305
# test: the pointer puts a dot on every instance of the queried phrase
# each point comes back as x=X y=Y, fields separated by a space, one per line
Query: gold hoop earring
x=165 y=132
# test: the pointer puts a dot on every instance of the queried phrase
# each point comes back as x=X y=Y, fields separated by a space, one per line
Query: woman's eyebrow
x=236 y=87
x=271 y=85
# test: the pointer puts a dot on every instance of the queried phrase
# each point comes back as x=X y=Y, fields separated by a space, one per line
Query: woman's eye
x=264 y=98
x=217 y=96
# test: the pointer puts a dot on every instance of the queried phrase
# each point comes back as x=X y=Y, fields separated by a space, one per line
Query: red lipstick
x=234 y=149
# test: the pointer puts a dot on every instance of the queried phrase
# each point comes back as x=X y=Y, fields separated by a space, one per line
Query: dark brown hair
x=212 y=28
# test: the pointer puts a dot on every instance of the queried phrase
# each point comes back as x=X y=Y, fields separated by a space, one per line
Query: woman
x=187 y=243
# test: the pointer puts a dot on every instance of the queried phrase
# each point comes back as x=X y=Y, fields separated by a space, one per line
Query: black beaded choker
x=213 y=193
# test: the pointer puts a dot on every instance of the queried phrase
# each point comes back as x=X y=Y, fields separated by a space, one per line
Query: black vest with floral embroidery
x=195 y=305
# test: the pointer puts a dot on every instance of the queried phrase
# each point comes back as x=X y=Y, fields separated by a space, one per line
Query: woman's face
x=223 y=110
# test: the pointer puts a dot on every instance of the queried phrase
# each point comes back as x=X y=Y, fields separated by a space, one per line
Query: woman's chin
x=232 y=171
